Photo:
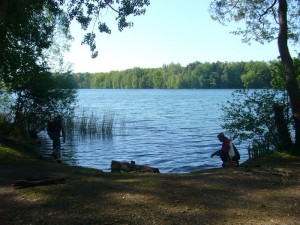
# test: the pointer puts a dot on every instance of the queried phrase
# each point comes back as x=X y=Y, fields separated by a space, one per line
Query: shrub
x=250 y=117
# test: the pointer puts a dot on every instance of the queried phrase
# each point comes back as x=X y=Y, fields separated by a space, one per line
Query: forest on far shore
x=197 y=75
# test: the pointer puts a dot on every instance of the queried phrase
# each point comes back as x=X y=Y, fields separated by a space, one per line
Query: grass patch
x=273 y=159
x=16 y=154
x=6 y=151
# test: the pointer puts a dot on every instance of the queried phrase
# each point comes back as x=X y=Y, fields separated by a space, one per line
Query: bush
x=250 y=117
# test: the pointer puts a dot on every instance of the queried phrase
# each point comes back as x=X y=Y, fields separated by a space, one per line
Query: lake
x=173 y=130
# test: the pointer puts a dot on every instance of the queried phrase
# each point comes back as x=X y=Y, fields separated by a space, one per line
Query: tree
x=27 y=31
x=265 y=21
x=257 y=75
x=85 y=12
x=232 y=74
x=248 y=117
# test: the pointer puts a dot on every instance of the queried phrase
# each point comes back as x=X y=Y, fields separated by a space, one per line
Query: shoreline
x=266 y=191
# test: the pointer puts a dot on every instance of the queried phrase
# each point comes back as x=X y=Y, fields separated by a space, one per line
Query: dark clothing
x=56 y=145
x=228 y=151
x=236 y=156
x=223 y=155
x=224 y=151
x=55 y=127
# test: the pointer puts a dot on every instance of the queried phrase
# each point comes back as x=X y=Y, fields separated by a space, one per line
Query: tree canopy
x=27 y=32
x=265 y=21
x=253 y=74
x=257 y=20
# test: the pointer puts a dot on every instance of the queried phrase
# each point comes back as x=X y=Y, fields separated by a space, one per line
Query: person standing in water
x=55 y=129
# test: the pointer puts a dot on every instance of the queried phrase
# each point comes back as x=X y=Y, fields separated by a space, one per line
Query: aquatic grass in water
x=92 y=125
x=107 y=124
x=83 y=125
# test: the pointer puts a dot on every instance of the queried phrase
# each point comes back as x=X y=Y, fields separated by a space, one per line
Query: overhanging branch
x=267 y=11
x=109 y=5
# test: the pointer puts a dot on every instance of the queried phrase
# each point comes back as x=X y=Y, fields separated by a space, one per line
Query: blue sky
x=171 y=31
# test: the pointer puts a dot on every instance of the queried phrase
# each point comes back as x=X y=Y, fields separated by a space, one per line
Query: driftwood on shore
x=117 y=166
x=31 y=182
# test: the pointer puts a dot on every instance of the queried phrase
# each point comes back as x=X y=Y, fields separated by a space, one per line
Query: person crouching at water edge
x=55 y=127
x=228 y=152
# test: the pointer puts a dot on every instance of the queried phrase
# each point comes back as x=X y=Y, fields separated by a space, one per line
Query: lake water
x=173 y=130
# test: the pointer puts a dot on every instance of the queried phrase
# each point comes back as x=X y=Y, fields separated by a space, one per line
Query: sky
x=171 y=31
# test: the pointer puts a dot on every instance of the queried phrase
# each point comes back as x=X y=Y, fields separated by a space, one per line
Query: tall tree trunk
x=282 y=127
x=3 y=10
x=287 y=61
x=10 y=8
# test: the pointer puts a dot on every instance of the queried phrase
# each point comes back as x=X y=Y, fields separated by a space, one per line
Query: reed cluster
x=92 y=125
x=260 y=147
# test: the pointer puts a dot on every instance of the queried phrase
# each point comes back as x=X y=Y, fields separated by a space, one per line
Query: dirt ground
x=265 y=191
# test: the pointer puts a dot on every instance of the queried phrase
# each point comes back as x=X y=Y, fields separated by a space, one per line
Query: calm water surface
x=173 y=130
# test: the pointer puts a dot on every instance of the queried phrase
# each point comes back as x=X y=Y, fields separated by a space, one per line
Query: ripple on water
x=174 y=131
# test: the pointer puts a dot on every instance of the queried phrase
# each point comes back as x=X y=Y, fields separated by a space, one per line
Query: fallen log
x=117 y=166
x=29 y=182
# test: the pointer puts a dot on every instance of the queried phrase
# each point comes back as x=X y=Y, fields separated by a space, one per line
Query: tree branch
x=111 y=6
x=267 y=10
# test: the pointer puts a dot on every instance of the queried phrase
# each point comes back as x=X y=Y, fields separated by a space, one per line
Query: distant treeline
x=197 y=75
